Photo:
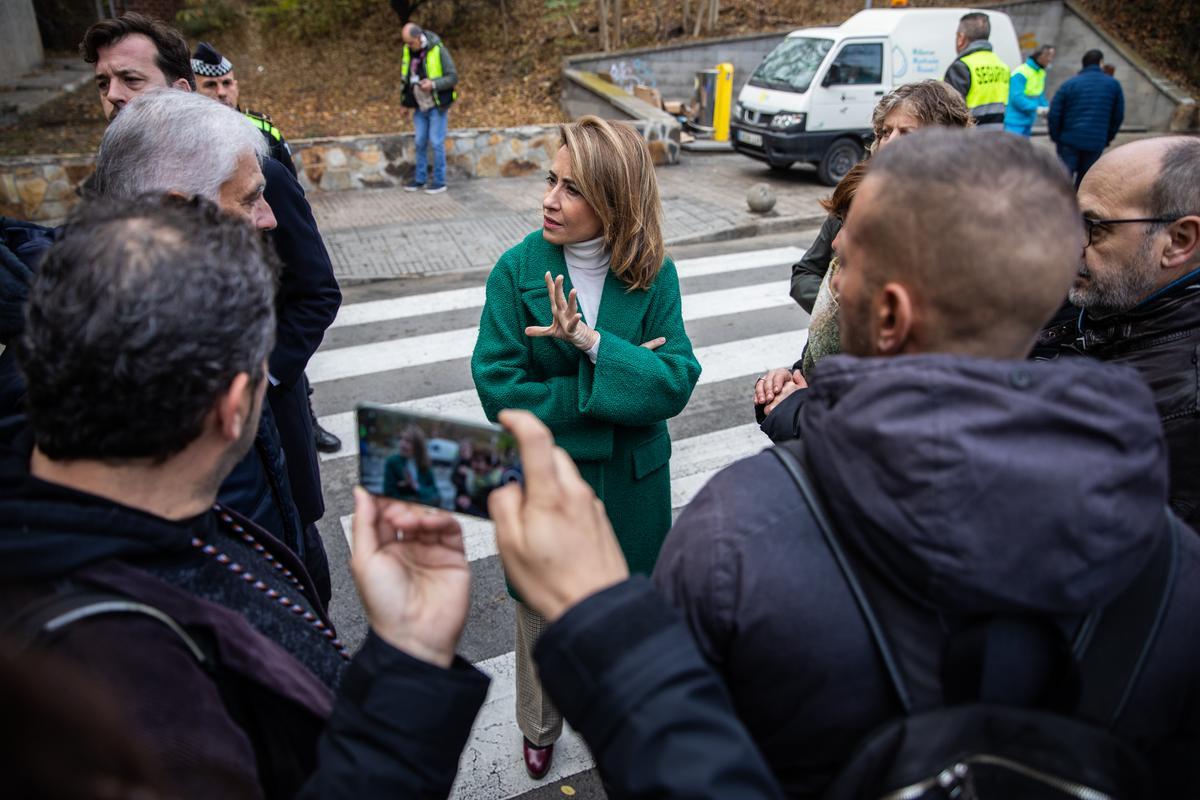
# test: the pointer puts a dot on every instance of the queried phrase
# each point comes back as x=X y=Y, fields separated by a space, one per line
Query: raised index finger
x=537 y=455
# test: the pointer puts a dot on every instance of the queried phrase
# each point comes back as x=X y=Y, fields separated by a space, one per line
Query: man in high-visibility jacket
x=215 y=78
x=1027 y=91
x=978 y=74
x=428 y=78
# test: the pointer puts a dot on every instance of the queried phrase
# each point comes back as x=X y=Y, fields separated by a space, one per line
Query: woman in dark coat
x=583 y=326
x=899 y=112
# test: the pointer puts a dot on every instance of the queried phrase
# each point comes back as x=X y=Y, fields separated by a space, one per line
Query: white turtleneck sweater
x=587 y=265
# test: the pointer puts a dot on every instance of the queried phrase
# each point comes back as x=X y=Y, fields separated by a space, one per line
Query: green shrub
x=200 y=17
x=307 y=19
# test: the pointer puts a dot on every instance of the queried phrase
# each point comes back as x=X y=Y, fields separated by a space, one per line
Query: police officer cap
x=208 y=62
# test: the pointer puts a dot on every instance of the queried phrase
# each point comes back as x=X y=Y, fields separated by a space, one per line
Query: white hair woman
x=583 y=327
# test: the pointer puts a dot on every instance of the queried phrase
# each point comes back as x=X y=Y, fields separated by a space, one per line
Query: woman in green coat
x=583 y=327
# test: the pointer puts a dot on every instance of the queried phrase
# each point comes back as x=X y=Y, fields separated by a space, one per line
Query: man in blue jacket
x=1027 y=91
x=1085 y=115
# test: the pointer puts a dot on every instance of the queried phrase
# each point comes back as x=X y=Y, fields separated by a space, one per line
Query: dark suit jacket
x=307 y=302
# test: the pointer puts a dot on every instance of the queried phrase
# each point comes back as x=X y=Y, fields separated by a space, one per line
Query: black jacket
x=268 y=721
x=307 y=302
x=809 y=271
x=626 y=675
x=974 y=486
x=1161 y=340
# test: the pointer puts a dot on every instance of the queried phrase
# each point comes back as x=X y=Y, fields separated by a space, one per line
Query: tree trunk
x=714 y=11
x=686 y=7
x=701 y=13
x=602 y=7
x=616 y=24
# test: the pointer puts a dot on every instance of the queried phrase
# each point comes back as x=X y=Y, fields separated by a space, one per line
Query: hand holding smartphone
x=435 y=461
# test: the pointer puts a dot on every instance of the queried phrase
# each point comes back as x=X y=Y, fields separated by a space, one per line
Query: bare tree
x=602 y=8
x=706 y=16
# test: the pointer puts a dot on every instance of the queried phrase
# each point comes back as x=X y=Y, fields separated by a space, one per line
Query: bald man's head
x=1124 y=263
x=957 y=241
x=411 y=33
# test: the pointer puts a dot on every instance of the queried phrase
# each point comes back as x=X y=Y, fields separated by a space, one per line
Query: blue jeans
x=1077 y=161
x=430 y=128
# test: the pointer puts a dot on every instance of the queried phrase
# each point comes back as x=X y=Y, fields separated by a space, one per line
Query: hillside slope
x=346 y=83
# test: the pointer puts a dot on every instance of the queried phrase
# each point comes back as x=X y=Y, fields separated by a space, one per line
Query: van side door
x=852 y=84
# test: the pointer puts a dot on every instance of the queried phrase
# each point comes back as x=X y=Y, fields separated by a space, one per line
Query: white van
x=811 y=98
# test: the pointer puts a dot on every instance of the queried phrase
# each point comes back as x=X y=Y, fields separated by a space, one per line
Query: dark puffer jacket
x=978 y=487
x=1087 y=110
x=1161 y=340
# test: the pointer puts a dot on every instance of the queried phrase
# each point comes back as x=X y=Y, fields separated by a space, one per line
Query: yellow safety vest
x=1035 y=79
x=433 y=69
x=263 y=125
x=988 y=96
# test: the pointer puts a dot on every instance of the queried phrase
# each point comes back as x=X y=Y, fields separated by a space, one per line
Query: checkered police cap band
x=211 y=70
x=208 y=62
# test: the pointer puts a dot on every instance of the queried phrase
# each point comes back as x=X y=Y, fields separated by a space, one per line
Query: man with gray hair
x=182 y=143
x=186 y=144
x=1138 y=286
x=978 y=74
x=133 y=55
x=427 y=78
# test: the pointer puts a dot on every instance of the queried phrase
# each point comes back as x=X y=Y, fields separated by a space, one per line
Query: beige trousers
x=538 y=719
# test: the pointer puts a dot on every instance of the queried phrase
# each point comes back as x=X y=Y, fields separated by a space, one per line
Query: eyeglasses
x=1093 y=224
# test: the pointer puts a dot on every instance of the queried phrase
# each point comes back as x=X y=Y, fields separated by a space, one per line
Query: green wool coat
x=611 y=416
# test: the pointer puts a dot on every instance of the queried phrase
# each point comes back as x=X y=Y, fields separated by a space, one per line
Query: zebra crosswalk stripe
x=347 y=362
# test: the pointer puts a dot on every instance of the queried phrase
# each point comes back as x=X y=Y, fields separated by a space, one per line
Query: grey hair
x=174 y=141
x=1041 y=51
x=1176 y=190
x=975 y=25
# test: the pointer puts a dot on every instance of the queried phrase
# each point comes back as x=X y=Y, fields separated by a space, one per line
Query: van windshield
x=791 y=66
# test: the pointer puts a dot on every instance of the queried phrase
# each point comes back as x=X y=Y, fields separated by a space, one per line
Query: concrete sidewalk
x=376 y=234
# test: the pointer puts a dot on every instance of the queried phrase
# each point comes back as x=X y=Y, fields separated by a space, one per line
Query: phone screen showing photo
x=437 y=462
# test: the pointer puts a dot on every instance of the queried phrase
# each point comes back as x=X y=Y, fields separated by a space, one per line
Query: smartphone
x=436 y=461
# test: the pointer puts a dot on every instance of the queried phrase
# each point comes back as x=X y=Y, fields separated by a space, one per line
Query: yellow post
x=723 y=104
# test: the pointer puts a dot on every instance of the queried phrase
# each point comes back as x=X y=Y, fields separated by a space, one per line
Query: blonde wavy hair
x=611 y=168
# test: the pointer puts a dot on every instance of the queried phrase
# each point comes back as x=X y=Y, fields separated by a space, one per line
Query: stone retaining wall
x=44 y=188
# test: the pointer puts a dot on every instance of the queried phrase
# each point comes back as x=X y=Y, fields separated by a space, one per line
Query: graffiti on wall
x=628 y=73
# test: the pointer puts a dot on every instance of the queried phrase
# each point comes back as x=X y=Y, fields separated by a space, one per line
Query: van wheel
x=839 y=159
x=780 y=166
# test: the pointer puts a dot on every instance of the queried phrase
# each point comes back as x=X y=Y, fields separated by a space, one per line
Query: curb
x=763 y=227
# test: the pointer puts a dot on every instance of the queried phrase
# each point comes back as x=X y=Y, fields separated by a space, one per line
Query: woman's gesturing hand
x=568 y=322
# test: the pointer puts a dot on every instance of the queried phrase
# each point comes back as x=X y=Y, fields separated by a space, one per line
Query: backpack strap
x=1112 y=652
x=791 y=455
x=47 y=617
x=1110 y=649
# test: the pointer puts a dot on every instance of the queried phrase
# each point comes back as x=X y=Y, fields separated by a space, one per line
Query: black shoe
x=326 y=441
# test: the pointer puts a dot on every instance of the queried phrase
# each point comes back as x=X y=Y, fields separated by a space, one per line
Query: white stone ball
x=760 y=198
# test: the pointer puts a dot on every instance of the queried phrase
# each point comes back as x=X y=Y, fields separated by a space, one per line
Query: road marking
x=411 y=351
x=719 y=361
x=474 y=296
x=736 y=262
x=411 y=306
